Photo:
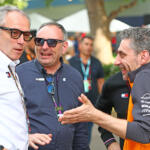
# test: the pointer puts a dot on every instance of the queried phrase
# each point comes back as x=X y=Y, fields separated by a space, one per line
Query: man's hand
x=114 y=146
x=80 y=114
x=39 y=139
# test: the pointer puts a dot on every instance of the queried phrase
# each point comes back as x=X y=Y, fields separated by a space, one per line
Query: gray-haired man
x=133 y=58
x=14 y=33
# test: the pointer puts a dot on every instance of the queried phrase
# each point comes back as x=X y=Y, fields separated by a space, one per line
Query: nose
x=45 y=45
x=117 y=61
x=21 y=39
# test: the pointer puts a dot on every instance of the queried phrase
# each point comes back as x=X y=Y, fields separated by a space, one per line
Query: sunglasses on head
x=16 y=33
x=50 y=42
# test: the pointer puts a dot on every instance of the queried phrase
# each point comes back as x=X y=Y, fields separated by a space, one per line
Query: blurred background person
x=29 y=52
x=77 y=38
x=91 y=70
x=69 y=52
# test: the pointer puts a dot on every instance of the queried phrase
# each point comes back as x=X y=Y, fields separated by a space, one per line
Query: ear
x=65 y=46
x=145 y=57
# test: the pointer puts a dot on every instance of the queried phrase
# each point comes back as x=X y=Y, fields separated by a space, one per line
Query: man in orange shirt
x=133 y=58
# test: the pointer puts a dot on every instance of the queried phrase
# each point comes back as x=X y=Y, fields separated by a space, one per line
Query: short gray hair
x=57 y=25
x=4 y=10
x=140 y=38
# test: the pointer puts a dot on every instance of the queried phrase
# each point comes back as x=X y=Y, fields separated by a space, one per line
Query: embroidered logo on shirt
x=64 y=79
x=8 y=74
x=39 y=79
x=124 y=95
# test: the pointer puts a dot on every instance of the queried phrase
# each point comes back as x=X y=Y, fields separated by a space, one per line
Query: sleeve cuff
x=109 y=141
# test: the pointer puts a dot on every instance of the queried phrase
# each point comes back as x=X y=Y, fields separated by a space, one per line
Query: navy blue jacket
x=41 y=110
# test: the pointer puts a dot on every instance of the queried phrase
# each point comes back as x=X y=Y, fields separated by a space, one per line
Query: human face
x=13 y=48
x=86 y=47
x=49 y=56
x=127 y=60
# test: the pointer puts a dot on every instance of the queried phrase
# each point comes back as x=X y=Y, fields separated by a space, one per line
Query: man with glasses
x=14 y=33
x=50 y=88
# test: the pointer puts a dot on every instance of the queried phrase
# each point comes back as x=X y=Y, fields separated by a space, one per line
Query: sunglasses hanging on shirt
x=51 y=91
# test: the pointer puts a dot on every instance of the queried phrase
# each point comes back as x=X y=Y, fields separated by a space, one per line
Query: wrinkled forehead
x=50 y=32
x=125 y=48
x=17 y=20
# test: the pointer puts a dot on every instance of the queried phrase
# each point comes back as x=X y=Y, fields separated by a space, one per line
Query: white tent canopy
x=37 y=20
x=79 y=22
x=117 y=25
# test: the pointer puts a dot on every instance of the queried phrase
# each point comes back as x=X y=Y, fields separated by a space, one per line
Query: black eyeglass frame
x=21 y=32
x=50 y=42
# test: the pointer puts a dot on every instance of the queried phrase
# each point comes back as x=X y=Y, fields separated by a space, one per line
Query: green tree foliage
x=48 y=2
x=19 y=3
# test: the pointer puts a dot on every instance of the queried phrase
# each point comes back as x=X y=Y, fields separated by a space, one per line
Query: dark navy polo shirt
x=41 y=110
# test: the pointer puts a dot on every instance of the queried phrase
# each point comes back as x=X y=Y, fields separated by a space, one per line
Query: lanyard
x=21 y=94
x=58 y=107
x=18 y=87
x=87 y=70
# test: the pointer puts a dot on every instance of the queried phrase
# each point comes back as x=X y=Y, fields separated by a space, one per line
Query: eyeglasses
x=50 y=42
x=16 y=33
x=50 y=86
